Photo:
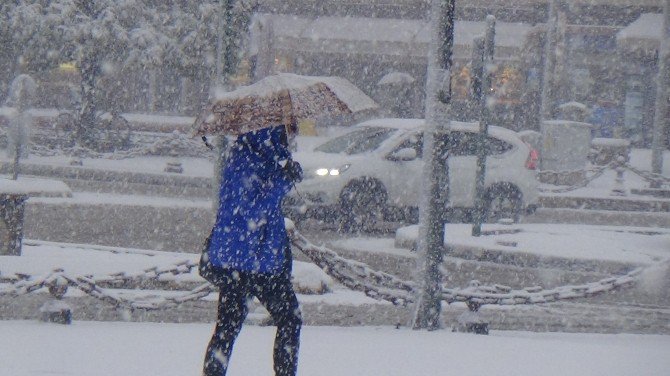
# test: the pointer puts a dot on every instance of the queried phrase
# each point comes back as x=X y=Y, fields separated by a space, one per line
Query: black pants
x=276 y=293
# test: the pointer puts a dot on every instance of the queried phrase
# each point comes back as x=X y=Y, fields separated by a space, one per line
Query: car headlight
x=331 y=171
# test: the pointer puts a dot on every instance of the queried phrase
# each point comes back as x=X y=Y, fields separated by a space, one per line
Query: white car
x=378 y=165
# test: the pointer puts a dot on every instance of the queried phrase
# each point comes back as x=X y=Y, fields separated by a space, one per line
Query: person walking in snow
x=249 y=251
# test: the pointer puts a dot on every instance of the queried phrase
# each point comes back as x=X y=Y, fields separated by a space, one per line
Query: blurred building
x=596 y=62
x=638 y=47
x=368 y=51
x=607 y=56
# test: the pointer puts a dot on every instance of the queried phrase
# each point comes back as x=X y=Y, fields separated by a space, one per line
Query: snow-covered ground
x=577 y=242
x=124 y=349
x=644 y=246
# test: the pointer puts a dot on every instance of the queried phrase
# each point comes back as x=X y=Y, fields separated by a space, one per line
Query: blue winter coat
x=249 y=234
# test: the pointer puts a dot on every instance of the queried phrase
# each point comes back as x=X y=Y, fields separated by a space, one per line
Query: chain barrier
x=504 y=295
x=153 y=274
x=596 y=173
x=352 y=274
x=165 y=145
x=356 y=275
x=383 y=286
x=650 y=177
x=23 y=284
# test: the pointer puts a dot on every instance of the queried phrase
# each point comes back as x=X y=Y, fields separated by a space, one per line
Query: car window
x=462 y=143
x=465 y=144
x=414 y=141
x=356 y=142
x=498 y=146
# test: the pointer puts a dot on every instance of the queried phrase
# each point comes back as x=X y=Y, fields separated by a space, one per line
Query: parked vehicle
x=379 y=165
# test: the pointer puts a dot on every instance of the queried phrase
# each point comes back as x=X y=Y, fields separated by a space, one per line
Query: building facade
x=594 y=65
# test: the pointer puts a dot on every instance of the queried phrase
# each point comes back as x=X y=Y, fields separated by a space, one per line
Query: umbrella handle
x=209 y=146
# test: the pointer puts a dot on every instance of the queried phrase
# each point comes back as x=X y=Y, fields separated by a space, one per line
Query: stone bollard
x=174 y=164
x=12 y=209
x=20 y=99
x=619 y=188
x=56 y=310
x=470 y=321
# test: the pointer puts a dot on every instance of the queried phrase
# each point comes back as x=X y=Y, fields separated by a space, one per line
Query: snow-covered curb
x=553 y=244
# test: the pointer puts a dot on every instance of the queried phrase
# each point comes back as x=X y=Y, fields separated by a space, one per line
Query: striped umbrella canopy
x=281 y=99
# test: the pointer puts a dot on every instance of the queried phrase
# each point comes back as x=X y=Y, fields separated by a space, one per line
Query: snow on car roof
x=414 y=124
x=407 y=124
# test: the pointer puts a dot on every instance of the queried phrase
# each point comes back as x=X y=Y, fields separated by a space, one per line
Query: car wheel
x=503 y=201
x=362 y=204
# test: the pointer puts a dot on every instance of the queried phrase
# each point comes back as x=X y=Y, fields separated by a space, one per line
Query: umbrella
x=281 y=99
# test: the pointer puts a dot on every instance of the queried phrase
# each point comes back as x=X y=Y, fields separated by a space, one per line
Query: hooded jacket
x=249 y=234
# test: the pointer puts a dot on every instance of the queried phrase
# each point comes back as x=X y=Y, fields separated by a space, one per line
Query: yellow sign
x=307 y=127
x=69 y=67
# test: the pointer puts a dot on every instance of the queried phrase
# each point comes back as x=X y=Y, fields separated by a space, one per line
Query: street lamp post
x=662 y=94
x=484 y=101
x=224 y=69
x=435 y=173
x=548 y=79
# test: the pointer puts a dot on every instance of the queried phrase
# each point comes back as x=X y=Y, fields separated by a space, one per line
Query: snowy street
x=120 y=349
x=335 y=188
x=519 y=255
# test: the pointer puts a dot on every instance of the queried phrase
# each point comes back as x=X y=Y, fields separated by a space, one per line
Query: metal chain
x=383 y=286
x=165 y=145
x=502 y=295
x=356 y=275
x=57 y=280
x=352 y=274
x=649 y=176
x=597 y=172
x=121 y=278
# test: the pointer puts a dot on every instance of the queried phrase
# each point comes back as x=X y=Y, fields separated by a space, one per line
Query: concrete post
x=485 y=103
x=435 y=174
x=12 y=209
x=662 y=95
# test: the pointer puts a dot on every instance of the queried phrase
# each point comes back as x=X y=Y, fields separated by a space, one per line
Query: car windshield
x=356 y=142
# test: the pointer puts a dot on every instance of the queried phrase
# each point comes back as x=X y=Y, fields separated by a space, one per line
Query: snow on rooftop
x=600 y=141
x=392 y=33
x=648 y=25
x=394 y=123
x=34 y=187
x=643 y=33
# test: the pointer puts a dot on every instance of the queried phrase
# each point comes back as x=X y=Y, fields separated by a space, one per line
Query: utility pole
x=548 y=81
x=477 y=71
x=485 y=101
x=224 y=68
x=435 y=173
x=662 y=94
x=224 y=44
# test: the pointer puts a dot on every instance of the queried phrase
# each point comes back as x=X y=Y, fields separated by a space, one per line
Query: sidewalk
x=130 y=349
